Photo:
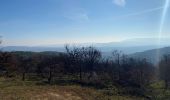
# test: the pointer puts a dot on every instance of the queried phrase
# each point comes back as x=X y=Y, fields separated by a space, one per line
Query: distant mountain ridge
x=136 y=52
x=126 y=50
x=129 y=46
x=33 y=49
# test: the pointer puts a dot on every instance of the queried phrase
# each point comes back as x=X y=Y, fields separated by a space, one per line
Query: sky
x=47 y=22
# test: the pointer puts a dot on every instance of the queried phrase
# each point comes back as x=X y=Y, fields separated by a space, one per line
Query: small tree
x=117 y=63
x=92 y=56
x=164 y=68
x=75 y=57
x=25 y=65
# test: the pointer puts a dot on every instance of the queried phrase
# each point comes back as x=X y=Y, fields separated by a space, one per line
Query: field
x=12 y=89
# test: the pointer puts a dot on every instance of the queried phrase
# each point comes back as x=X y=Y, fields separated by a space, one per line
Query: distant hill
x=105 y=48
x=33 y=49
x=138 y=52
x=129 y=46
x=27 y=53
x=152 y=55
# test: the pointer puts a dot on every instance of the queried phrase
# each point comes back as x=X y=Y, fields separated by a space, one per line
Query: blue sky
x=43 y=22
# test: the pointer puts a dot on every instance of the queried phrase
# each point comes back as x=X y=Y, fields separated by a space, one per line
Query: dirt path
x=64 y=96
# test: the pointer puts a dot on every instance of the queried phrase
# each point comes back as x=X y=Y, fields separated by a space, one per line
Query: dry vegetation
x=11 y=89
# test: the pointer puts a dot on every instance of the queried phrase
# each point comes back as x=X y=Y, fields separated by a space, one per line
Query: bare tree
x=84 y=58
x=117 y=59
x=92 y=57
x=25 y=65
x=76 y=56
x=164 y=68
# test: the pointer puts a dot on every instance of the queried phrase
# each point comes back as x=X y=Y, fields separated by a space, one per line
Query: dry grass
x=17 y=90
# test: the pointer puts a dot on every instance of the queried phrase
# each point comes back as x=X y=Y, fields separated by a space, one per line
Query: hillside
x=152 y=55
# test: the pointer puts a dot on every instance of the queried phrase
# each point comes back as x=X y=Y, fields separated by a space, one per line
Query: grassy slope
x=159 y=92
x=11 y=89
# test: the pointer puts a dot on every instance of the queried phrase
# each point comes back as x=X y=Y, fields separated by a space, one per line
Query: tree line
x=85 y=65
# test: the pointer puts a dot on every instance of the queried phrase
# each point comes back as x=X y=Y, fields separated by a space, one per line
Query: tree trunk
x=80 y=74
x=50 y=76
x=23 y=76
x=166 y=84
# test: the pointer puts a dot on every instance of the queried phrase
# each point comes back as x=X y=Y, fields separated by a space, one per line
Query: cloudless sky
x=43 y=22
